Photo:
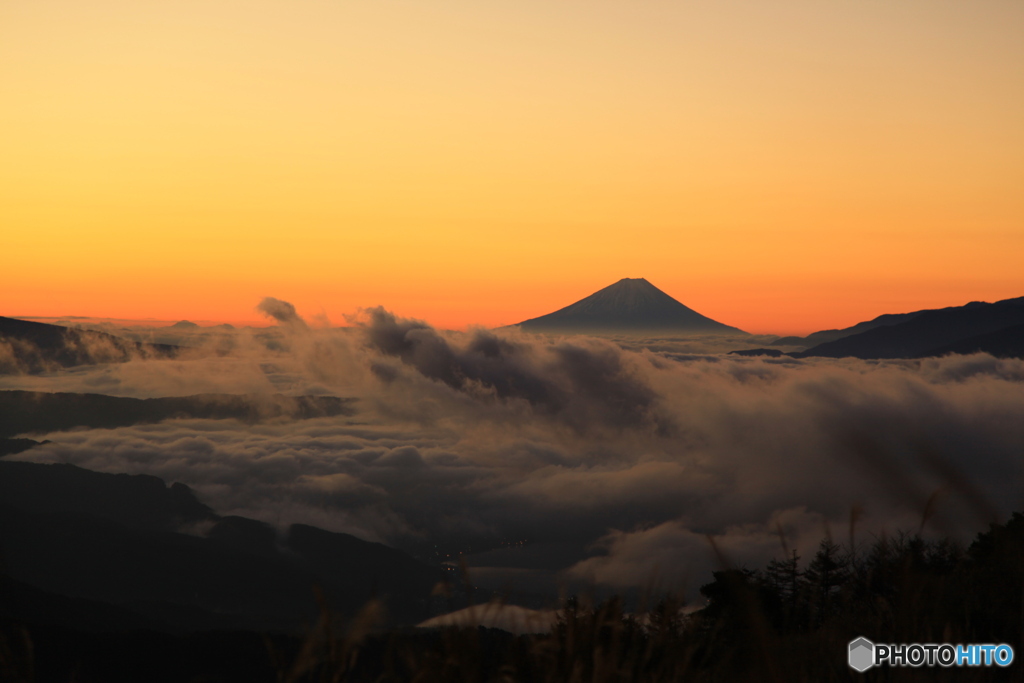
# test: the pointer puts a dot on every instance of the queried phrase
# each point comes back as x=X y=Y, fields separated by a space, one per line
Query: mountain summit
x=631 y=305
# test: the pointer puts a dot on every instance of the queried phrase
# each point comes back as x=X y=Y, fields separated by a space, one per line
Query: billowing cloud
x=281 y=311
x=574 y=456
x=672 y=555
x=585 y=383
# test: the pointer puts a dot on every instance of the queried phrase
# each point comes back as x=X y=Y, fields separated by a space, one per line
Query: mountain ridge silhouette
x=631 y=305
x=977 y=327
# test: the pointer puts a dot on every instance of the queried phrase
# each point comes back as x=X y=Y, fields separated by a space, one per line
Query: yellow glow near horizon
x=781 y=167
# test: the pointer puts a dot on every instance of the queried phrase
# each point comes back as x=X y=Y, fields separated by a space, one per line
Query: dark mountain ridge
x=132 y=500
x=25 y=412
x=158 y=556
x=824 y=336
x=929 y=332
x=39 y=347
x=994 y=328
x=631 y=305
x=1005 y=343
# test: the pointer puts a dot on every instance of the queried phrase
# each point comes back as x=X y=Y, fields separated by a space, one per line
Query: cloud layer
x=613 y=465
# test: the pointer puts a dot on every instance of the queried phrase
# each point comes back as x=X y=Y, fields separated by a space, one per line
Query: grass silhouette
x=788 y=621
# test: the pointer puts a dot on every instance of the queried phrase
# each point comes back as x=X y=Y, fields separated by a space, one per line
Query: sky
x=781 y=167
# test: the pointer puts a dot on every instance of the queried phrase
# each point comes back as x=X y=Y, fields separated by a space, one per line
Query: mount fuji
x=630 y=306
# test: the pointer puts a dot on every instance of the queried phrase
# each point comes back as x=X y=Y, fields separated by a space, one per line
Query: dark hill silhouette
x=359 y=566
x=38 y=347
x=1005 y=343
x=22 y=602
x=770 y=353
x=832 y=335
x=928 y=332
x=14 y=446
x=631 y=305
x=995 y=328
x=40 y=412
x=133 y=542
x=137 y=501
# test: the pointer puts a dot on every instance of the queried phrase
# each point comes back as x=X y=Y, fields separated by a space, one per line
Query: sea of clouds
x=573 y=459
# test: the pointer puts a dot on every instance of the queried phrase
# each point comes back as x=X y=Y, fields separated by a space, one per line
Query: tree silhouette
x=827 y=573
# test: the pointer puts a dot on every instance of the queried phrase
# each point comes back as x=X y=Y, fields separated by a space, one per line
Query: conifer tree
x=825 y=575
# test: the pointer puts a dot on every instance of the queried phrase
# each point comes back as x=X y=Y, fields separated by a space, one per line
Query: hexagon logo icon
x=862 y=654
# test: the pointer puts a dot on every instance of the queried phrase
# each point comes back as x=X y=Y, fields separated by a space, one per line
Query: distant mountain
x=832 y=335
x=630 y=306
x=133 y=543
x=929 y=333
x=995 y=328
x=37 y=347
x=770 y=353
x=1005 y=343
x=40 y=412
x=136 y=501
x=14 y=446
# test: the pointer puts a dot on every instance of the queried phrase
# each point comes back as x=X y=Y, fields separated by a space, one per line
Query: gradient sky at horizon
x=781 y=167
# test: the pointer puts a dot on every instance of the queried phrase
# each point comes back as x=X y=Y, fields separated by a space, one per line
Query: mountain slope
x=1005 y=343
x=27 y=346
x=631 y=305
x=136 y=501
x=133 y=542
x=927 y=333
x=40 y=412
x=825 y=336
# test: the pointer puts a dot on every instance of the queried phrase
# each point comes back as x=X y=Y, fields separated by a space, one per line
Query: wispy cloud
x=468 y=439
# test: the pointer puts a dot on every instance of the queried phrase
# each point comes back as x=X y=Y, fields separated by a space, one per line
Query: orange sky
x=782 y=167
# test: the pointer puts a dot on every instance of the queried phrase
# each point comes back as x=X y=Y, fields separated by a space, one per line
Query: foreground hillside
x=157 y=556
x=788 y=621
